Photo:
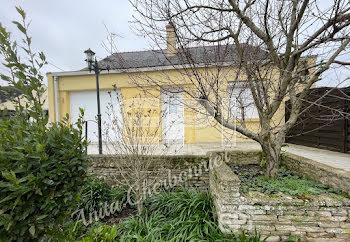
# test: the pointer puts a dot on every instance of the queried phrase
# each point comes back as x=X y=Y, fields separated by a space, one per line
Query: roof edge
x=131 y=70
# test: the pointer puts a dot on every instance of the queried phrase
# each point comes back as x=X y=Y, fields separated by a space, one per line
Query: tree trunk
x=139 y=197
x=139 y=206
x=272 y=155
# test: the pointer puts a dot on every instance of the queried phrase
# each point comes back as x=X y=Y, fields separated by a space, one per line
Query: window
x=241 y=101
x=173 y=103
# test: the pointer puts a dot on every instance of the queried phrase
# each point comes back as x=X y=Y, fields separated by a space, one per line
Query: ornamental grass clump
x=182 y=215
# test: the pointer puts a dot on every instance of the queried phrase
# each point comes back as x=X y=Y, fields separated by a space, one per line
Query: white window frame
x=243 y=93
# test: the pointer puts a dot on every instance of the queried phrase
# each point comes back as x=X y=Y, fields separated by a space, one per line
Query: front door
x=173 y=117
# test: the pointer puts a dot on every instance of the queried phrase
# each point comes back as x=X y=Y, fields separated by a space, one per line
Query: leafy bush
x=42 y=165
x=42 y=170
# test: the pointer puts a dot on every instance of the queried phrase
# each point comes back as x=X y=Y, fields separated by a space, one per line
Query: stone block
x=227 y=216
x=345 y=225
x=255 y=212
x=334 y=218
x=320 y=235
x=275 y=238
x=259 y=217
x=238 y=221
x=298 y=233
x=329 y=224
x=304 y=228
x=343 y=236
x=280 y=227
x=341 y=212
x=335 y=230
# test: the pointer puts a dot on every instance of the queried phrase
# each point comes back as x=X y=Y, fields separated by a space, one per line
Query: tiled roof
x=6 y=92
x=195 y=55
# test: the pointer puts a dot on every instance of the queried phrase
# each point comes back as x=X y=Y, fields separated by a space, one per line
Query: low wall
x=305 y=167
x=279 y=217
x=317 y=171
x=193 y=171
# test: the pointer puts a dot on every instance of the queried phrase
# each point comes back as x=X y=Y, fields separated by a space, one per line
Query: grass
x=181 y=215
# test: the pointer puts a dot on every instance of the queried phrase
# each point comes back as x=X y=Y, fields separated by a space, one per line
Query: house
x=6 y=103
x=128 y=71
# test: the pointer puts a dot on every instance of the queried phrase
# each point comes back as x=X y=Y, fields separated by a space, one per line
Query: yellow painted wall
x=51 y=98
x=195 y=131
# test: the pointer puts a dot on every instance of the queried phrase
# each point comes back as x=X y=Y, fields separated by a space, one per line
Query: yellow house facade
x=64 y=88
x=129 y=77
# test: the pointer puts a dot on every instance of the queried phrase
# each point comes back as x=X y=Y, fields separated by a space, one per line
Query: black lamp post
x=93 y=65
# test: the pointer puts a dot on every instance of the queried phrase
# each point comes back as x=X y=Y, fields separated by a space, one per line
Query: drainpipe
x=57 y=103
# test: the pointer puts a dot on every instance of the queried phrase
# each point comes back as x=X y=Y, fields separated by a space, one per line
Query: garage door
x=87 y=100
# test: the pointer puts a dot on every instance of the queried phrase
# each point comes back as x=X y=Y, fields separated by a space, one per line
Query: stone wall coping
x=158 y=156
x=234 y=151
x=224 y=173
x=323 y=200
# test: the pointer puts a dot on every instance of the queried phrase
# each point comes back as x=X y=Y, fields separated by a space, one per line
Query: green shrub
x=42 y=165
x=42 y=171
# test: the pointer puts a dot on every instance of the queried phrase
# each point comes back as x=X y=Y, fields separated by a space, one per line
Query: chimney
x=170 y=40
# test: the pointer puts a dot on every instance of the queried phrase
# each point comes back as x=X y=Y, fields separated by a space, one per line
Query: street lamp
x=93 y=65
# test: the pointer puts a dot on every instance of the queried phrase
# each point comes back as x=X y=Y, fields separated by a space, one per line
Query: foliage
x=184 y=215
x=102 y=233
x=42 y=172
x=96 y=193
x=42 y=165
x=286 y=182
x=77 y=231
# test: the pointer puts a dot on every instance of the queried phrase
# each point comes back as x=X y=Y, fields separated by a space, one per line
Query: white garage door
x=87 y=100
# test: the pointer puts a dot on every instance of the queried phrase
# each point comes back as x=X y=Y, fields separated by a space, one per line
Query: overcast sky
x=63 y=29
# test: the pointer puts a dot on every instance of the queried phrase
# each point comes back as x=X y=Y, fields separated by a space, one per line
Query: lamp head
x=89 y=57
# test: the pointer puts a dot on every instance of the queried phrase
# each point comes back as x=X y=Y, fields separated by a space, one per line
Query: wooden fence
x=324 y=121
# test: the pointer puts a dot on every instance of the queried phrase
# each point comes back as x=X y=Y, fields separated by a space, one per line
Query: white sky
x=63 y=29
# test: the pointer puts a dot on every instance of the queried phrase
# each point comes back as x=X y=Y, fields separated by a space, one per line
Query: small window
x=173 y=103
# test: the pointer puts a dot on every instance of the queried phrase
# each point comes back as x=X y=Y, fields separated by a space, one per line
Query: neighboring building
x=6 y=103
x=70 y=90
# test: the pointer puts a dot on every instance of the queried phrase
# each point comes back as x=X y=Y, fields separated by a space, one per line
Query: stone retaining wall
x=192 y=171
x=305 y=167
x=322 y=218
x=317 y=171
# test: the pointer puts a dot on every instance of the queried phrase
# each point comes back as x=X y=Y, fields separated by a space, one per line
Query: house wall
x=196 y=130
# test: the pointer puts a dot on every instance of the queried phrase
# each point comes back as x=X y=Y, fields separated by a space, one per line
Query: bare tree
x=132 y=132
x=268 y=51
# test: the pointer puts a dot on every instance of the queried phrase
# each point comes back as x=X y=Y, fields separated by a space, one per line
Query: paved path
x=334 y=159
x=331 y=158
